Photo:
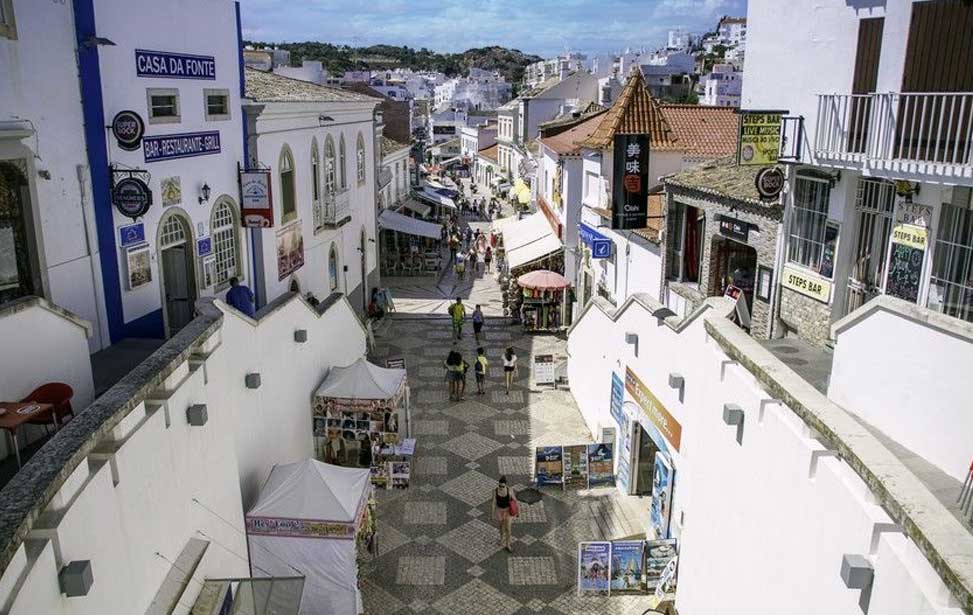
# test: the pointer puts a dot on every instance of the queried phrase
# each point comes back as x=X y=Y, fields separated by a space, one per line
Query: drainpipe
x=775 y=288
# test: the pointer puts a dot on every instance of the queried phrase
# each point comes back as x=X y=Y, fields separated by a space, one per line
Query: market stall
x=310 y=517
x=543 y=298
x=357 y=411
x=528 y=244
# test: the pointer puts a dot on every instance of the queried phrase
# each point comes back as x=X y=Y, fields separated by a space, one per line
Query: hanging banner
x=600 y=464
x=759 y=143
x=659 y=510
x=660 y=565
x=626 y=566
x=630 y=182
x=576 y=466
x=594 y=567
x=548 y=465
x=290 y=250
x=654 y=410
x=256 y=201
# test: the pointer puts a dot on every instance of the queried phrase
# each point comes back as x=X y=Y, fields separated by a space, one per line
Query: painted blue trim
x=246 y=156
x=149 y=326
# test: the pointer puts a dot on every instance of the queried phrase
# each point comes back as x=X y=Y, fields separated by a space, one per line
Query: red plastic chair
x=59 y=395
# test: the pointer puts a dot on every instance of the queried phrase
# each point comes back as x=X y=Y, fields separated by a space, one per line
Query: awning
x=435 y=198
x=420 y=208
x=529 y=239
x=451 y=161
x=392 y=221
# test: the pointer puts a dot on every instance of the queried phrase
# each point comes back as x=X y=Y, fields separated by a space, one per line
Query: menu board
x=576 y=466
x=548 y=465
x=906 y=257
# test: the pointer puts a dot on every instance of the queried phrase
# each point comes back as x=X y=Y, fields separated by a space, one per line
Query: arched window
x=329 y=176
x=315 y=171
x=360 y=151
x=223 y=229
x=342 y=163
x=333 y=268
x=288 y=202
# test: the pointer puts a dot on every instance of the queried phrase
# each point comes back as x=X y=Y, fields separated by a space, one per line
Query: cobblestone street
x=438 y=546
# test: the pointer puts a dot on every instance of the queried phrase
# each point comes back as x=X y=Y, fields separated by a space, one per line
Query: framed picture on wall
x=209 y=270
x=765 y=280
x=138 y=265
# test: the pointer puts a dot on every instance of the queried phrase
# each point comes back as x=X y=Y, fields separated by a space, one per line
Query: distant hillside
x=340 y=58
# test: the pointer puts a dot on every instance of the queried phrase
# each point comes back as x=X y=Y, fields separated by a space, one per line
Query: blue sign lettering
x=187 y=145
x=166 y=65
x=131 y=234
x=601 y=246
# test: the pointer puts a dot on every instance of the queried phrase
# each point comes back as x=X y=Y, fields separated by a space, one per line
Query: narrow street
x=438 y=546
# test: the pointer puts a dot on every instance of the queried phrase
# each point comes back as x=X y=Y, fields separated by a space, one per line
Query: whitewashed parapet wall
x=131 y=486
x=764 y=525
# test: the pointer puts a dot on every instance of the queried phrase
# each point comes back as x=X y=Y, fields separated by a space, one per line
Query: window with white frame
x=342 y=163
x=8 y=26
x=223 y=229
x=163 y=105
x=217 y=104
x=360 y=157
x=951 y=280
x=809 y=221
x=333 y=268
x=288 y=203
x=330 y=179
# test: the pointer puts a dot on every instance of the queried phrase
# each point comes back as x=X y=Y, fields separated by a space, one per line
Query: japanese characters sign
x=630 y=182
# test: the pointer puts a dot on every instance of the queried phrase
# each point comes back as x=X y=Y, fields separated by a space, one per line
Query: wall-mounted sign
x=769 y=182
x=167 y=65
x=290 y=250
x=444 y=130
x=630 y=182
x=765 y=277
x=131 y=234
x=759 y=143
x=734 y=228
x=256 y=204
x=204 y=246
x=551 y=215
x=806 y=283
x=910 y=235
x=601 y=246
x=667 y=424
x=128 y=129
x=171 y=189
x=186 y=145
x=132 y=197
x=138 y=266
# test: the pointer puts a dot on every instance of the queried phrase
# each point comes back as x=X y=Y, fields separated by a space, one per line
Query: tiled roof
x=566 y=143
x=391 y=145
x=703 y=132
x=722 y=177
x=267 y=87
x=635 y=112
x=490 y=153
x=653 y=229
x=573 y=117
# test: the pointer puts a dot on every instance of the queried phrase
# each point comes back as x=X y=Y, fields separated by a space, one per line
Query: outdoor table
x=13 y=414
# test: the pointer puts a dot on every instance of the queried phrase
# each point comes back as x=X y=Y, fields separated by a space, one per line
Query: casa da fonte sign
x=168 y=65
x=630 y=182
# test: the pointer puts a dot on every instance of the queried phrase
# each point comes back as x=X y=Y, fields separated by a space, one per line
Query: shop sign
x=806 y=283
x=128 y=129
x=667 y=424
x=910 y=235
x=299 y=528
x=601 y=246
x=630 y=182
x=551 y=216
x=256 y=201
x=167 y=65
x=769 y=182
x=734 y=228
x=544 y=369
x=444 y=130
x=617 y=398
x=759 y=143
x=204 y=246
x=132 y=197
x=186 y=145
x=131 y=234
x=907 y=254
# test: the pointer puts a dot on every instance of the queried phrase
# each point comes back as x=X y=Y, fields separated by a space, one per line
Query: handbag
x=514 y=507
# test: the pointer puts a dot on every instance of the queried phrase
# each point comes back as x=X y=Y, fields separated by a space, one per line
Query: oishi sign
x=630 y=182
x=166 y=65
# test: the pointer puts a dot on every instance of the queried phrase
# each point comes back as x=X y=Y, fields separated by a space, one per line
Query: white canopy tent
x=435 y=198
x=528 y=240
x=394 y=221
x=306 y=520
x=362 y=381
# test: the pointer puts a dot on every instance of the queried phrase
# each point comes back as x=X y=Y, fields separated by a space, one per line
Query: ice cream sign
x=166 y=65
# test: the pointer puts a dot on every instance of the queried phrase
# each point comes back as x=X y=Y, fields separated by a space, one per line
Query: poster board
x=544 y=369
x=575 y=466
x=660 y=508
x=907 y=252
x=548 y=465
x=594 y=567
x=400 y=473
x=627 y=565
x=660 y=560
x=600 y=464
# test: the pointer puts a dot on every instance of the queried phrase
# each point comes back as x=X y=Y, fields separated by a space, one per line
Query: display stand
x=541 y=310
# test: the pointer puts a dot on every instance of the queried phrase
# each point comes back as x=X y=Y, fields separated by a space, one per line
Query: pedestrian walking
x=454 y=373
x=453 y=247
x=457 y=312
x=510 y=369
x=505 y=508
x=477 y=322
x=464 y=371
x=480 y=368
x=488 y=259
x=460 y=266
x=240 y=297
x=473 y=261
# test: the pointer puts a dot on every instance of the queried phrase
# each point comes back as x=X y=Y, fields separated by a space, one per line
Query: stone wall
x=809 y=318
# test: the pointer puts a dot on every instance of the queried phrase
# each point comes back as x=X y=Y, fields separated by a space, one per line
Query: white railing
x=877 y=129
x=335 y=209
x=384 y=177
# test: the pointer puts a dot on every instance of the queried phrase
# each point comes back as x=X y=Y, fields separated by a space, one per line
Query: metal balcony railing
x=922 y=132
x=333 y=210
x=384 y=178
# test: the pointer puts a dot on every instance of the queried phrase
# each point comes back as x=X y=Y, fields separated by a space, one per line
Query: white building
x=266 y=59
x=471 y=94
x=732 y=31
x=679 y=40
x=722 y=87
x=394 y=180
x=309 y=70
x=320 y=146
x=476 y=138
x=446 y=125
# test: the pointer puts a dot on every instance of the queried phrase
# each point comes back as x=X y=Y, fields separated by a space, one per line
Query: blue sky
x=544 y=27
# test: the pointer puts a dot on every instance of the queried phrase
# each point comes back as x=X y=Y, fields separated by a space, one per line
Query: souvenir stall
x=358 y=411
x=313 y=516
x=543 y=298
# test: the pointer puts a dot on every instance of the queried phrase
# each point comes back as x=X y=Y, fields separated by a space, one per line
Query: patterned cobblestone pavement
x=438 y=550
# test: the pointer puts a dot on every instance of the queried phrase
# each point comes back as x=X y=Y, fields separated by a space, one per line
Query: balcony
x=906 y=134
x=333 y=211
x=384 y=177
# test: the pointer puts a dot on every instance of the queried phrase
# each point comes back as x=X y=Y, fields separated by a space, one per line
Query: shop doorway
x=874 y=205
x=178 y=273
x=645 y=451
x=18 y=252
x=732 y=263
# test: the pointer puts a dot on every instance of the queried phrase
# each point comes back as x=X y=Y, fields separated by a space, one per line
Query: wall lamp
x=204 y=193
x=96 y=41
x=324 y=119
x=858 y=573
x=75 y=579
x=733 y=415
x=633 y=339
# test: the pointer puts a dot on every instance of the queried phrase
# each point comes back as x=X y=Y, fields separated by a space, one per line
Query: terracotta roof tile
x=723 y=178
x=269 y=87
x=635 y=112
x=566 y=143
x=490 y=153
x=703 y=132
